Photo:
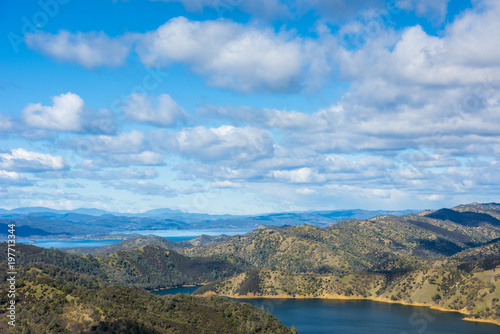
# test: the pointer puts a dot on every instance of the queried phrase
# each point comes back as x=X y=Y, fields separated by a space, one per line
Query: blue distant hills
x=43 y=222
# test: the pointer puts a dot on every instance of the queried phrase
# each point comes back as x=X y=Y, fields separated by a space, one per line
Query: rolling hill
x=56 y=300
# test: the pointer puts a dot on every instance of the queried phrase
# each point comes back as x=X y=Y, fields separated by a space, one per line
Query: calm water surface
x=54 y=243
x=363 y=316
x=318 y=316
x=174 y=235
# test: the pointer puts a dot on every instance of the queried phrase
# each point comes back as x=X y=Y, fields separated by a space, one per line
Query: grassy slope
x=350 y=246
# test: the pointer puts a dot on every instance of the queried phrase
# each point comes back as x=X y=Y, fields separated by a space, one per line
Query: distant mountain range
x=45 y=222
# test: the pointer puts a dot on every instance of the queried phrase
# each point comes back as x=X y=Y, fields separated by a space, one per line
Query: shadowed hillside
x=55 y=300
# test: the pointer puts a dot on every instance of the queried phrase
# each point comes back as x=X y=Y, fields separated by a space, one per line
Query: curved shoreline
x=375 y=299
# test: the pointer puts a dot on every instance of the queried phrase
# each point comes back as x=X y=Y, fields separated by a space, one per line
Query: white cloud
x=13 y=179
x=125 y=142
x=224 y=143
x=64 y=115
x=247 y=58
x=268 y=118
x=124 y=149
x=20 y=160
x=167 y=112
x=467 y=53
x=91 y=49
x=301 y=175
x=232 y=55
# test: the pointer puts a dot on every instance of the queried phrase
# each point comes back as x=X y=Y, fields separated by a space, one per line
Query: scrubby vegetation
x=150 y=267
x=55 y=300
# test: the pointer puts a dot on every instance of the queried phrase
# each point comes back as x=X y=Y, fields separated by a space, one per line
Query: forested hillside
x=55 y=300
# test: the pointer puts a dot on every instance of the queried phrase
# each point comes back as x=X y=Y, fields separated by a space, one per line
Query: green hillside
x=471 y=290
x=350 y=246
x=150 y=267
x=55 y=300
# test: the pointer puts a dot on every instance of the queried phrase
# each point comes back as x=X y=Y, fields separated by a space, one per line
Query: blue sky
x=239 y=106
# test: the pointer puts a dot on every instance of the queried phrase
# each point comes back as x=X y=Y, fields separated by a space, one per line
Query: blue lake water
x=317 y=316
x=174 y=235
x=54 y=243
x=321 y=316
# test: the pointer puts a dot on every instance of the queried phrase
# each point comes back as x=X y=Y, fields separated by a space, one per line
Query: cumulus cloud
x=231 y=55
x=20 y=160
x=247 y=58
x=13 y=179
x=302 y=175
x=224 y=143
x=125 y=142
x=416 y=63
x=63 y=115
x=124 y=149
x=91 y=49
x=167 y=112
x=268 y=118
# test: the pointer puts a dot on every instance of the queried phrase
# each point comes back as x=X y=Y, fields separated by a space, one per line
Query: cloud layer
x=414 y=118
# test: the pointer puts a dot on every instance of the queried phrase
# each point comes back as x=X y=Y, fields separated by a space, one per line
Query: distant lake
x=54 y=243
x=174 y=235
x=323 y=316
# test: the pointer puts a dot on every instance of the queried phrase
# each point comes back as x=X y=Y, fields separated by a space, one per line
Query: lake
x=174 y=235
x=54 y=243
x=322 y=316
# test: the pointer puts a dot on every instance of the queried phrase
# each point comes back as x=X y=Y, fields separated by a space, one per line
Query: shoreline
x=178 y=287
x=375 y=299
